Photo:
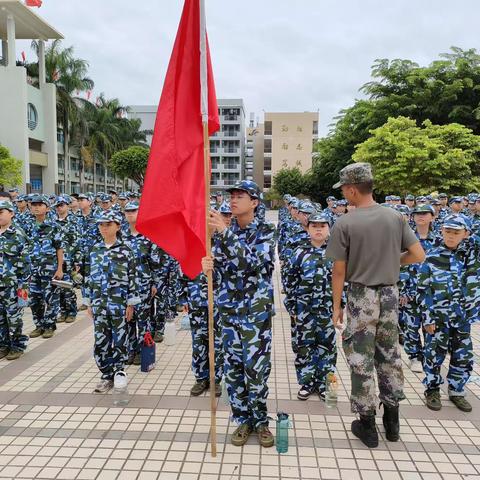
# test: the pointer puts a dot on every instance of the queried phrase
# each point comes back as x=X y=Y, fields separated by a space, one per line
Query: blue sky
x=278 y=55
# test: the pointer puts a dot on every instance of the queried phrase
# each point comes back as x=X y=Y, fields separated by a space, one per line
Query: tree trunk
x=105 y=173
x=66 y=154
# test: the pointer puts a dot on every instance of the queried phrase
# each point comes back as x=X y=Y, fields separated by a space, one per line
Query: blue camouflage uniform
x=194 y=294
x=45 y=241
x=441 y=296
x=244 y=259
x=111 y=286
x=14 y=275
x=309 y=300
x=147 y=262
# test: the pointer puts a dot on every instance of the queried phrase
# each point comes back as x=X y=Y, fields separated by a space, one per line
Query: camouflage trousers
x=139 y=326
x=68 y=302
x=44 y=302
x=412 y=337
x=370 y=342
x=200 y=347
x=110 y=347
x=247 y=344
x=159 y=315
x=11 y=322
x=317 y=351
x=458 y=342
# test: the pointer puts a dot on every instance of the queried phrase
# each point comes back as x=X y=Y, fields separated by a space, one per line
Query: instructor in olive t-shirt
x=368 y=245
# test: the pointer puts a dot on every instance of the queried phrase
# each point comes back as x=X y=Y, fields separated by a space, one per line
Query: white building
x=28 y=115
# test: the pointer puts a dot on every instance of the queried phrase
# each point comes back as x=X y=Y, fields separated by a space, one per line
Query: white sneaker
x=416 y=365
x=120 y=380
x=303 y=393
x=103 y=386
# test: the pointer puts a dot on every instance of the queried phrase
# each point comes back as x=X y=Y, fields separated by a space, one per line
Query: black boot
x=366 y=430
x=391 y=423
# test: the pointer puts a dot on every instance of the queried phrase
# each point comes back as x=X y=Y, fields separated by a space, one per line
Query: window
x=267 y=145
x=267 y=163
x=61 y=162
x=315 y=127
x=268 y=128
x=32 y=116
x=215 y=162
x=267 y=181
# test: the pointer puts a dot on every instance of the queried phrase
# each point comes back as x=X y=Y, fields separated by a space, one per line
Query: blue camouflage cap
x=248 y=186
x=85 y=196
x=225 y=208
x=105 y=197
x=435 y=201
x=318 y=218
x=455 y=222
x=62 y=199
x=410 y=197
x=403 y=209
x=131 y=206
x=331 y=198
x=21 y=198
x=455 y=200
x=109 y=216
x=292 y=200
x=6 y=205
x=342 y=203
x=306 y=207
x=424 y=209
x=123 y=196
x=13 y=190
x=421 y=198
x=40 y=199
x=388 y=198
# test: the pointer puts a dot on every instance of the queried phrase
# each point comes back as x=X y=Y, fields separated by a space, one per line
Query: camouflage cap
x=388 y=198
x=318 y=218
x=342 y=203
x=455 y=200
x=109 y=216
x=435 y=201
x=455 y=222
x=6 y=205
x=21 y=198
x=409 y=197
x=248 y=186
x=85 y=196
x=292 y=200
x=40 y=199
x=442 y=195
x=131 y=206
x=112 y=191
x=403 y=209
x=331 y=199
x=295 y=202
x=122 y=196
x=13 y=190
x=306 y=207
x=106 y=197
x=287 y=197
x=225 y=207
x=423 y=209
x=62 y=199
x=355 y=173
x=421 y=198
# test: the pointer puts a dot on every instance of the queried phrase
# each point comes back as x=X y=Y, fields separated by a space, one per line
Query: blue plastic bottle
x=282 y=432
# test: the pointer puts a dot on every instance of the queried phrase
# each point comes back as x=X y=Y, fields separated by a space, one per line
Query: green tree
x=411 y=159
x=130 y=163
x=289 y=180
x=446 y=91
x=10 y=169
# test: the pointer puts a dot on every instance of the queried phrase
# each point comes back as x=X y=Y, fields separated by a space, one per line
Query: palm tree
x=69 y=74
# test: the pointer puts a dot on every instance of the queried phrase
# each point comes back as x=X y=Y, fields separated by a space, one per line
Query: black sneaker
x=460 y=402
x=304 y=393
x=199 y=388
x=433 y=400
x=366 y=430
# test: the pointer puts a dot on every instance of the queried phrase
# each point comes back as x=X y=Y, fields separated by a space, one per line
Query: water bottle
x=225 y=398
x=185 y=322
x=170 y=331
x=331 y=393
x=282 y=432
x=120 y=389
x=22 y=298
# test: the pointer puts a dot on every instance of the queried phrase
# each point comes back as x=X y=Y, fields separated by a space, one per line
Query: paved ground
x=52 y=426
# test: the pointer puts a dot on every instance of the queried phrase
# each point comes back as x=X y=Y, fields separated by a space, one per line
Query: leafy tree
x=446 y=91
x=130 y=163
x=10 y=169
x=407 y=158
x=289 y=180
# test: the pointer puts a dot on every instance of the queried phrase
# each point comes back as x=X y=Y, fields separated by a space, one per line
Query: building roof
x=28 y=25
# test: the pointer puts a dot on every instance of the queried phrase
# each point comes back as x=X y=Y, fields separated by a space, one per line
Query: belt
x=374 y=287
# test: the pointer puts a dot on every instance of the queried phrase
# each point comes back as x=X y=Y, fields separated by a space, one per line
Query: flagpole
x=208 y=239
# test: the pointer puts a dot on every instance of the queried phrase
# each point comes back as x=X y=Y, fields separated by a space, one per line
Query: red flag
x=24 y=57
x=172 y=207
x=33 y=3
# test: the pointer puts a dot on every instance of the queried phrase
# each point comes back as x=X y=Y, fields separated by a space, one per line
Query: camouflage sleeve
x=57 y=241
x=239 y=256
x=133 y=285
x=86 y=294
x=183 y=290
x=154 y=261
x=424 y=294
x=23 y=265
x=292 y=280
x=162 y=274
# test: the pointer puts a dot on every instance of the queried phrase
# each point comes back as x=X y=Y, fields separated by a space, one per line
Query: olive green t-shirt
x=371 y=241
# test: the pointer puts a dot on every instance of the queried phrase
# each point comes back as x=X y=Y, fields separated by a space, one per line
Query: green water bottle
x=282 y=432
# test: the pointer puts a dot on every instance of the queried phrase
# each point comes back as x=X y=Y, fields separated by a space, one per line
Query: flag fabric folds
x=172 y=208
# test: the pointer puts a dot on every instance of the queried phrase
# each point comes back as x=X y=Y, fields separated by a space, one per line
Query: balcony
x=230 y=150
x=231 y=133
x=230 y=118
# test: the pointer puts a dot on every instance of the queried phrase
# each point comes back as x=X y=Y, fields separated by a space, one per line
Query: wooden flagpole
x=211 y=326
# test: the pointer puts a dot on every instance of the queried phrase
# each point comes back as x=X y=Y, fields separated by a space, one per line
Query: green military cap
x=423 y=209
x=318 y=218
x=6 y=205
x=355 y=173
